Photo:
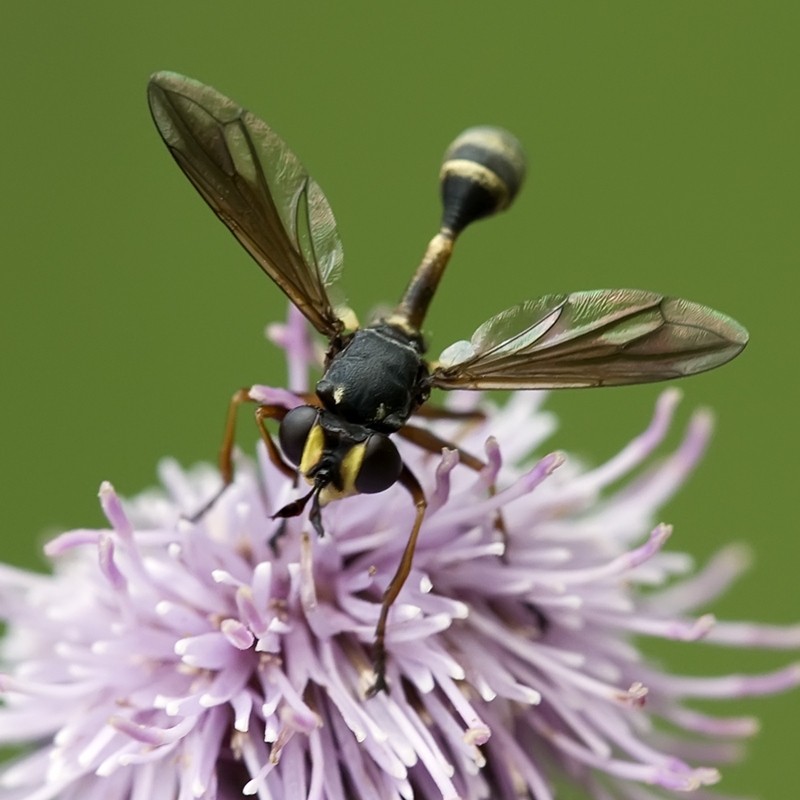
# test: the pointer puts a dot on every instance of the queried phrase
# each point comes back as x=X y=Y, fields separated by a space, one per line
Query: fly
x=376 y=378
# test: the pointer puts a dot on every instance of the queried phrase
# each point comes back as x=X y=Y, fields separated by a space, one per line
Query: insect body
x=376 y=378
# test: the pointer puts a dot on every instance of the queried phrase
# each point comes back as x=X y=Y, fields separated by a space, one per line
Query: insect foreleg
x=274 y=412
x=226 y=450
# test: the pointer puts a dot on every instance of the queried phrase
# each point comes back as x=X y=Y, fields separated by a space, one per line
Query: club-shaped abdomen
x=481 y=174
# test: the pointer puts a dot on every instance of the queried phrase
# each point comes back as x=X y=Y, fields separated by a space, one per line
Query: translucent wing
x=257 y=187
x=601 y=338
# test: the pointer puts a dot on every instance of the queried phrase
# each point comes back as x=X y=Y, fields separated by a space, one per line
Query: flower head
x=231 y=655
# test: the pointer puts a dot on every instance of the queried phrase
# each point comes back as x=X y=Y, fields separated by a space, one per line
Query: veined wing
x=257 y=187
x=600 y=338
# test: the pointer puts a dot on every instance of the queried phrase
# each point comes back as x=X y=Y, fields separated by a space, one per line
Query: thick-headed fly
x=376 y=378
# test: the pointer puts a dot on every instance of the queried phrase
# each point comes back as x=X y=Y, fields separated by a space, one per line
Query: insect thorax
x=378 y=379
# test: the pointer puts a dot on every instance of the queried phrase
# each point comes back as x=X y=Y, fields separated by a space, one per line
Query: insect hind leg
x=434 y=444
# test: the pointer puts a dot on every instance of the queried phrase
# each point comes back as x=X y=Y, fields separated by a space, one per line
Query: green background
x=663 y=149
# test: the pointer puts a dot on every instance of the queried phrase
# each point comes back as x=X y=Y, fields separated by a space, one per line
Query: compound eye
x=381 y=466
x=294 y=430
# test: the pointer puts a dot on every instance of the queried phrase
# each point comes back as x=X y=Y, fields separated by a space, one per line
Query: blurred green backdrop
x=662 y=140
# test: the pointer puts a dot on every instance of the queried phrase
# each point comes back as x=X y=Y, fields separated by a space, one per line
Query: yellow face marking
x=348 y=471
x=312 y=452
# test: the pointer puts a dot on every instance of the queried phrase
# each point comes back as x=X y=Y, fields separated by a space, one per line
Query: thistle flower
x=213 y=659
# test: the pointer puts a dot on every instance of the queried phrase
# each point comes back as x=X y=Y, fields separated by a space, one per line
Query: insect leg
x=226 y=450
x=274 y=412
x=310 y=399
x=433 y=444
x=408 y=480
x=263 y=413
x=428 y=411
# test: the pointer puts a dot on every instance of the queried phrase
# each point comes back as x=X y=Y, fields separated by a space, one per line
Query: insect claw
x=206 y=506
x=276 y=537
x=379 y=663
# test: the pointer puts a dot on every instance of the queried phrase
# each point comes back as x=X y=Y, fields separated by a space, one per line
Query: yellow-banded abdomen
x=481 y=173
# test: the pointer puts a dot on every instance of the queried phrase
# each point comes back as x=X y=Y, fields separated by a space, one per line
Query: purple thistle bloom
x=167 y=659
